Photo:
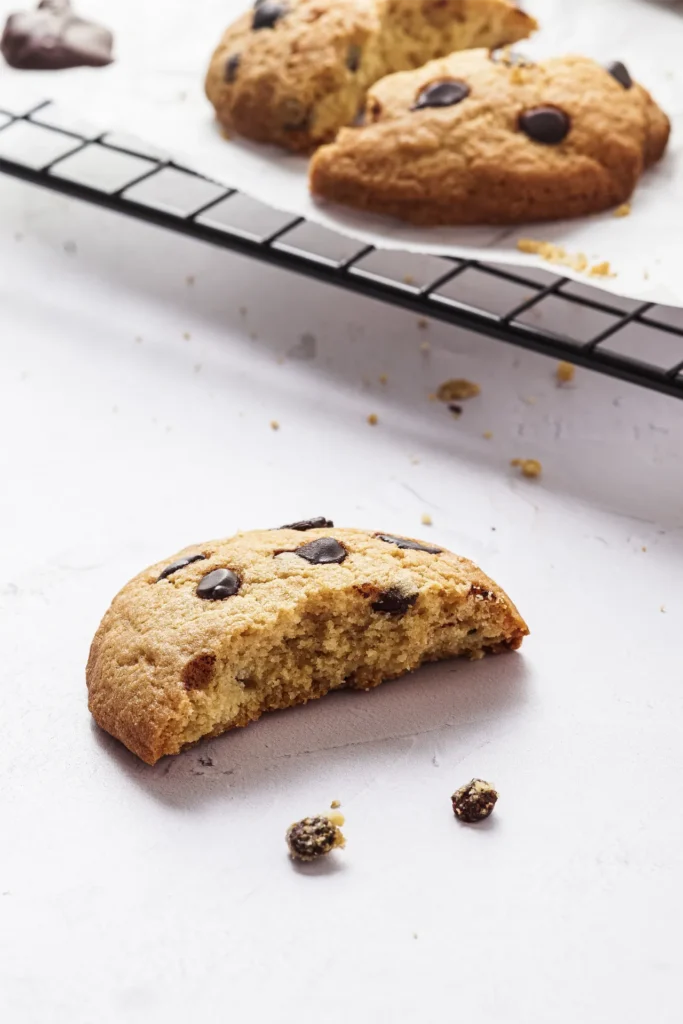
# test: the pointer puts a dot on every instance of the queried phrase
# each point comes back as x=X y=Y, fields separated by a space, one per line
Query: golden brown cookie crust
x=297 y=83
x=470 y=163
x=167 y=667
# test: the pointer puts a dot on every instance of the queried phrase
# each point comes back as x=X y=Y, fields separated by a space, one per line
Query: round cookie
x=211 y=638
x=293 y=72
x=487 y=138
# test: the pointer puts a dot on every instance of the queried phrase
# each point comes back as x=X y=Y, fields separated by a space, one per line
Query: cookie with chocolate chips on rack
x=293 y=72
x=490 y=138
x=213 y=637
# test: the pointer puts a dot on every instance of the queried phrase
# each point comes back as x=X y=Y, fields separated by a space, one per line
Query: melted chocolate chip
x=219 y=584
x=621 y=73
x=323 y=551
x=548 y=125
x=309 y=524
x=52 y=38
x=353 y=56
x=409 y=545
x=267 y=13
x=179 y=564
x=394 y=602
x=232 y=66
x=442 y=94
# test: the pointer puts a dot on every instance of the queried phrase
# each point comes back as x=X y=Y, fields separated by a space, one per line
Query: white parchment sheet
x=155 y=90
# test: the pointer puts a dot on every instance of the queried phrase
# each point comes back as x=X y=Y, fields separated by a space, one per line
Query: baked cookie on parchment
x=490 y=138
x=211 y=638
x=293 y=72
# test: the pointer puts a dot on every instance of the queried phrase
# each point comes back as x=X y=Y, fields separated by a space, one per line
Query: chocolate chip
x=409 y=545
x=353 y=56
x=52 y=38
x=548 y=125
x=323 y=551
x=621 y=73
x=219 y=584
x=309 y=524
x=232 y=66
x=441 y=94
x=394 y=602
x=267 y=13
x=485 y=595
x=179 y=564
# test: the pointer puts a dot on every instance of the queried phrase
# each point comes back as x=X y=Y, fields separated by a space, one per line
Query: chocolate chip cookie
x=211 y=638
x=486 y=138
x=293 y=72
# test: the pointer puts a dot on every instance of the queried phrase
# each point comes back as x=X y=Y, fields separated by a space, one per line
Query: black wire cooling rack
x=634 y=341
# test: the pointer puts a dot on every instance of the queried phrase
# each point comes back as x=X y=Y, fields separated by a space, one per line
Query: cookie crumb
x=457 y=390
x=274 y=425
x=186 y=335
x=335 y=804
x=662 y=609
x=529 y=467
x=426 y=519
x=601 y=270
x=383 y=379
x=456 y=410
x=337 y=818
x=312 y=838
x=408 y=279
x=425 y=347
x=644 y=548
x=554 y=254
x=487 y=435
x=623 y=210
x=373 y=419
x=565 y=372
x=423 y=323
x=474 y=801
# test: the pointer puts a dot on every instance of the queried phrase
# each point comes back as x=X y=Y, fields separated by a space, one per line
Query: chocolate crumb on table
x=313 y=837
x=529 y=467
x=474 y=801
x=457 y=390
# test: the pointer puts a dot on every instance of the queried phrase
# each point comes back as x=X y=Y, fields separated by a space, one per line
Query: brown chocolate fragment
x=52 y=38
x=313 y=838
x=474 y=802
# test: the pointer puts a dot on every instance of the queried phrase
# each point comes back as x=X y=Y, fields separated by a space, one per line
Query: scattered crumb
x=186 y=335
x=565 y=372
x=487 y=435
x=623 y=210
x=383 y=379
x=456 y=410
x=408 y=279
x=529 y=400
x=190 y=280
x=197 y=367
x=644 y=548
x=554 y=254
x=457 y=390
x=474 y=801
x=280 y=360
x=337 y=818
x=425 y=347
x=335 y=804
x=529 y=467
x=423 y=323
x=646 y=275
x=313 y=838
x=305 y=348
x=601 y=270
x=373 y=419
x=414 y=460
x=431 y=397
x=426 y=519
x=274 y=425
x=662 y=609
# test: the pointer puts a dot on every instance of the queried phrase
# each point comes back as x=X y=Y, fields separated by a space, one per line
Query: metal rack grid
x=637 y=342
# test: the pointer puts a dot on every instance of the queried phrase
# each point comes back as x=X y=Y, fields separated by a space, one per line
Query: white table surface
x=134 y=420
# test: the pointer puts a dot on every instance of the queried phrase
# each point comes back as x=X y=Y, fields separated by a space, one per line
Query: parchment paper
x=155 y=90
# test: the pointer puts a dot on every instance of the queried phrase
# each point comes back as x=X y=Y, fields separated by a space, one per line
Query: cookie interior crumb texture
x=211 y=638
x=457 y=390
x=474 y=801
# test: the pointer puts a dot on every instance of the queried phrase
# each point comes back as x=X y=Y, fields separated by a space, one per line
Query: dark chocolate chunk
x=267 y=13
x=441 y=94
x=219 y=584
x=474 y=802
x=232 y=66
x=410 y=545
x=323 y=551
x=320 y=523
x=313 y=838
x=353 y=56
x=52 y=38
x=548 y=125
x=394 y=602
x=621 y=73
x=179 y=564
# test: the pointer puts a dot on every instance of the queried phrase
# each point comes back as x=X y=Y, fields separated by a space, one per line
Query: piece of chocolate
x=320 y=523
x=218 y=585
x=621 y=73
x=442 y=94
x=232 y=66
x=179 y=564
x=394 y=602
x=267 y=13
x=474 y=802
x=323 y=551
x=53 y=38
x=548 y=125
x=409 y=545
